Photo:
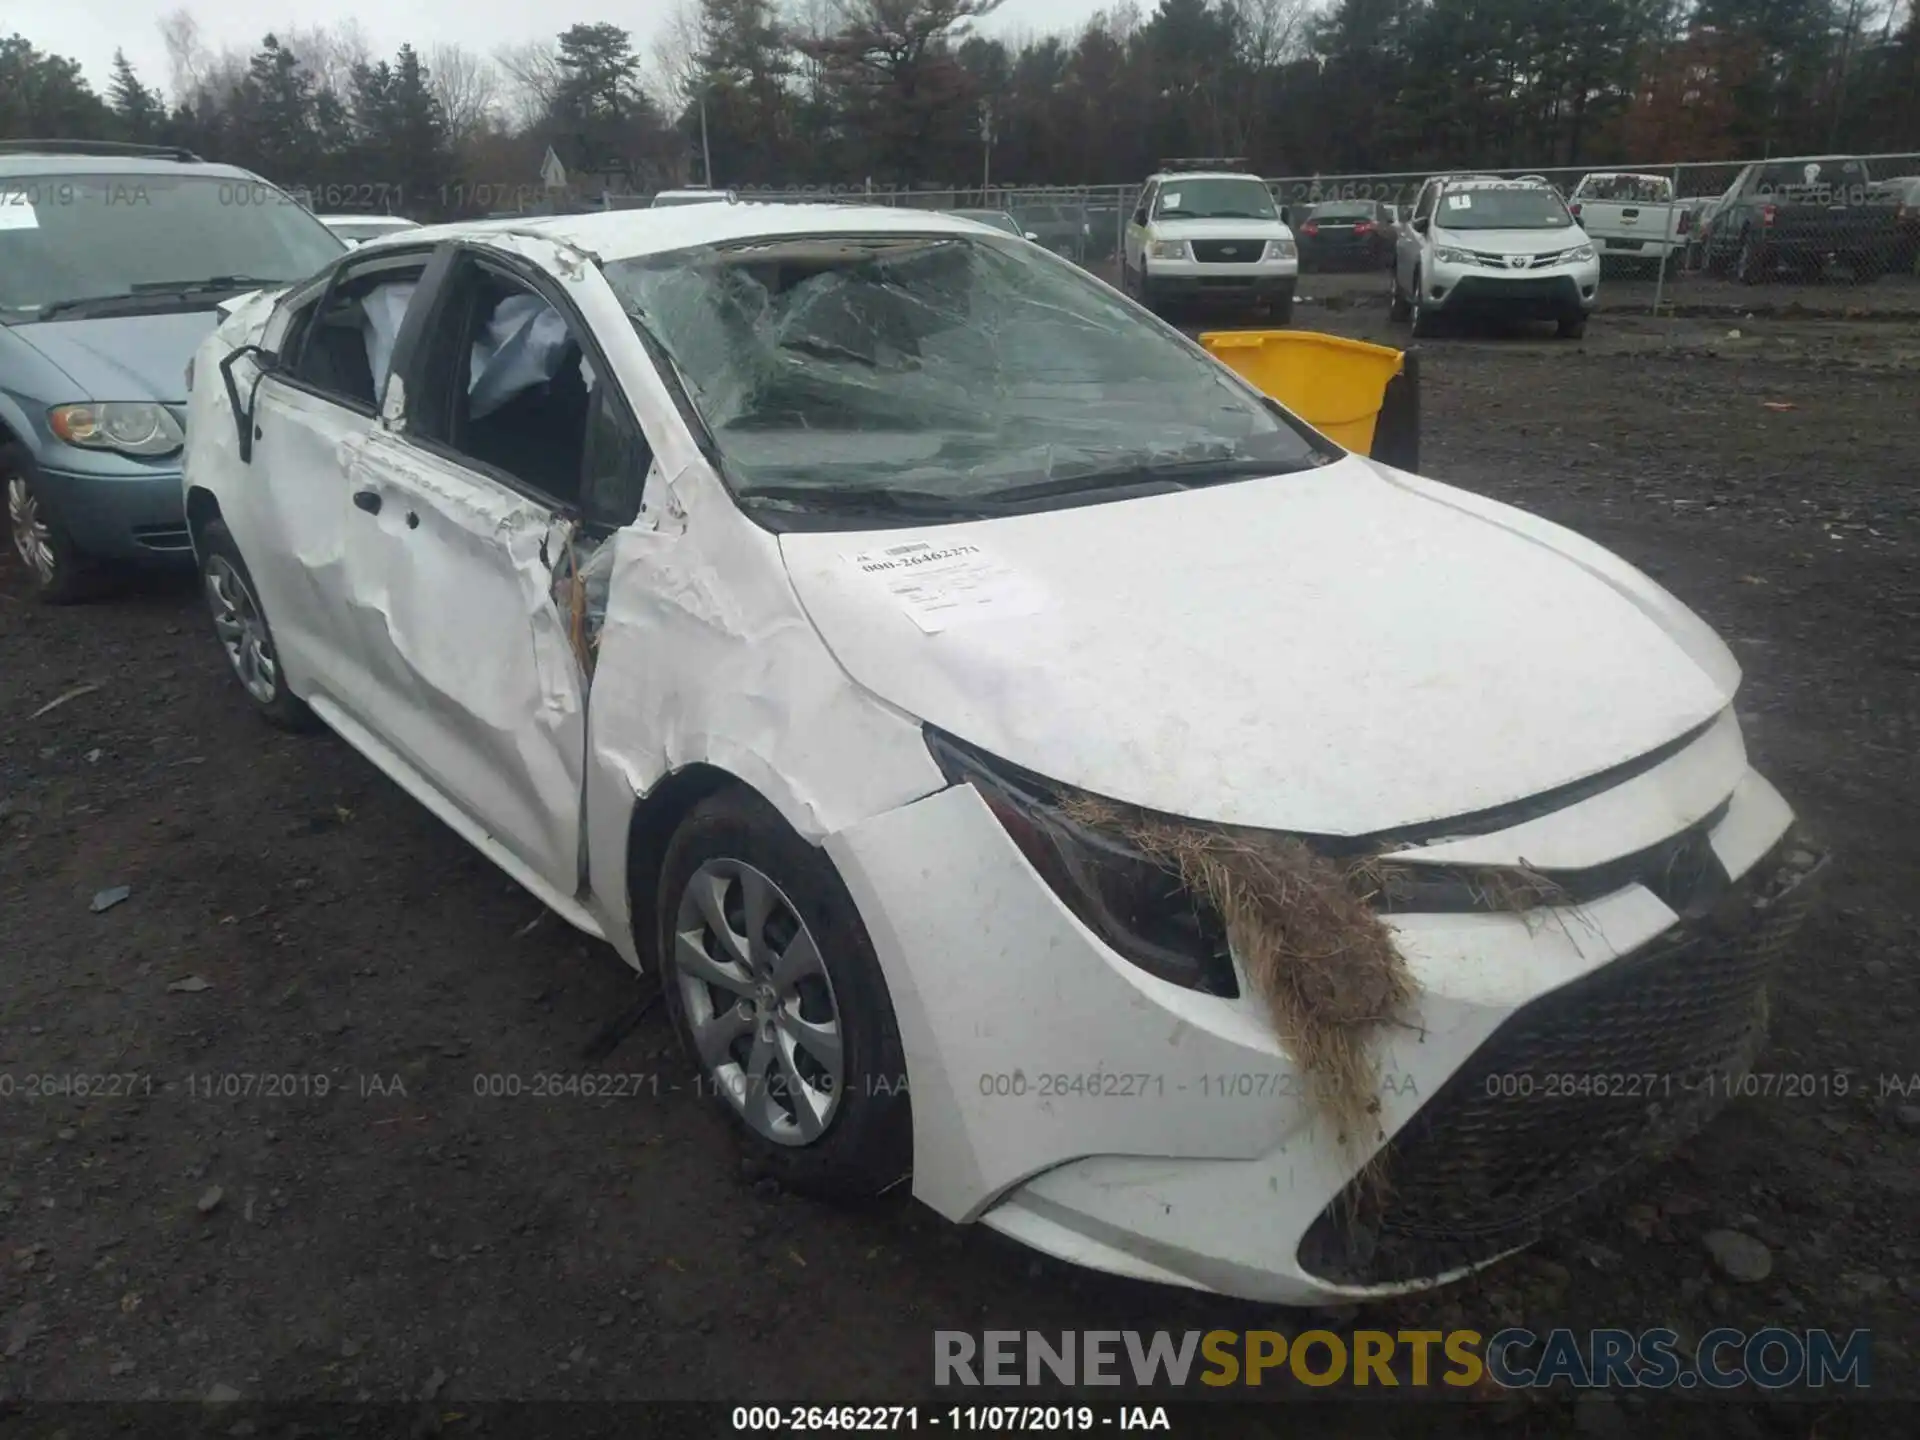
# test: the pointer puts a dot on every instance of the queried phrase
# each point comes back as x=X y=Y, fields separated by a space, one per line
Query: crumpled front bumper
x=1074 y=1102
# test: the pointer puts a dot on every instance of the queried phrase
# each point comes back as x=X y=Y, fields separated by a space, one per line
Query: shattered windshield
x=942 y=367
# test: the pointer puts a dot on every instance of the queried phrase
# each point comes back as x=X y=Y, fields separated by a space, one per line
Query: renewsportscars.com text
x=1772 y=1359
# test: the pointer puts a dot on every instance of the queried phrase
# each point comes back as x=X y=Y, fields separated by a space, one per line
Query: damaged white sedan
x=1035 y=763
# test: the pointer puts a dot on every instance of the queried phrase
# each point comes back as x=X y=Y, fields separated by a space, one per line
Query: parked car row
x=1802 y=218
x=853 y=615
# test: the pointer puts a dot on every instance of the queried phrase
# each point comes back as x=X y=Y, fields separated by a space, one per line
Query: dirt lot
x=292 y=914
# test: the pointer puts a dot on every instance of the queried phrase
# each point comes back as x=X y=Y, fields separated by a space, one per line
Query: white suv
x=1476 y=244
x=1207 y=235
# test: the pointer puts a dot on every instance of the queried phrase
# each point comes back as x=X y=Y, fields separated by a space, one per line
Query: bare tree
x=673 y=68
x=466 y=85
x=1272 y=32
x=196 y=75
x=186 y=53
x=533 y=79
x=329 y=53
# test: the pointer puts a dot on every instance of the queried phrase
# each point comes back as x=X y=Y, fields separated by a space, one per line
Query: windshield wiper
x=121 y=299
x=882 y=498
x=152 y=292
x=195 y=287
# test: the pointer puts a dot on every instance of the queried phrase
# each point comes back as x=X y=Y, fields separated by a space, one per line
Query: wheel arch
x=202 y=507
x=651 y=824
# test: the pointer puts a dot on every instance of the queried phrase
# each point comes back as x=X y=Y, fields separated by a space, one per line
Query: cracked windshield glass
x=953 y=367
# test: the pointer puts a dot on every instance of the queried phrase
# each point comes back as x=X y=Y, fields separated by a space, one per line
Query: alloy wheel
x=242 y=630
x=759 y=1002
x=32 y=536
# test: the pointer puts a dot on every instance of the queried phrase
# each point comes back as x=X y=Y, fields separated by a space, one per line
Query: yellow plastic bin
x=1338 y=386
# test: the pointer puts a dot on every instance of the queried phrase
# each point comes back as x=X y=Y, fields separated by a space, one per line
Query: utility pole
x=706 y=155
x=986 y=148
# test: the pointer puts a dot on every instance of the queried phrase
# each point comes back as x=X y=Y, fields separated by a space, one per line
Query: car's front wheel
x=57 y=572
x=775 y=990
x=240 y=625
x=1572 y=327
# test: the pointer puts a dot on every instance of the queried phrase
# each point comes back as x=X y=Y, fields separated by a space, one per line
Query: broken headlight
x=1136 y=905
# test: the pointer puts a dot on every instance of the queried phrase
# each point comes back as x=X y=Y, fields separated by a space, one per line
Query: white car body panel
x=1346 y=650
x=1268 y=653
x=1180 y=1183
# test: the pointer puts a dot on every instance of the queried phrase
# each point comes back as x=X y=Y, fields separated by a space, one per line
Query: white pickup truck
x=1634 y=220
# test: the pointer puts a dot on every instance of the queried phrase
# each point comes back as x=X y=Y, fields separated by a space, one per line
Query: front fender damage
x=705 y=657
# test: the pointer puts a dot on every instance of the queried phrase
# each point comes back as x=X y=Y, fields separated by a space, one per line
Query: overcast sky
x=90 y=30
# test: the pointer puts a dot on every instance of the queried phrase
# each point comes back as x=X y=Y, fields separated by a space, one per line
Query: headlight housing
x=1578 y=255
x=1449 y=255
x=1138 y=907
x=1167 y=250
x=1281 y=250
x=127 y=427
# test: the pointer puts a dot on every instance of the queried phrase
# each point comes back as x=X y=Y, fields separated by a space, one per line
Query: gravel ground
x=291 y=914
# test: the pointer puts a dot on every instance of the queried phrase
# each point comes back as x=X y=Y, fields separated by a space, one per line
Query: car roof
x=55 y=163
x=1205 y=175
x=1490 y=182
x=394 y=220
x=633 y=234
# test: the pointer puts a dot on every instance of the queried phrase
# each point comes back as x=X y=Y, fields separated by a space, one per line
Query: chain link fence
x=1816 y=235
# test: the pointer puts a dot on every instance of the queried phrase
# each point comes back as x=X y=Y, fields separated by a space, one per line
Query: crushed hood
x=1338 y=652
x=124 y=357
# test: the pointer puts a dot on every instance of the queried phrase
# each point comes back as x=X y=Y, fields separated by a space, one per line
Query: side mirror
x=243 y=414
x=1420 y=226
x=1032 y=236
x=1286 y=215
x=1140 y=216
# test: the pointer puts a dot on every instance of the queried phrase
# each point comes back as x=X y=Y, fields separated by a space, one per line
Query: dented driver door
x=468 y=675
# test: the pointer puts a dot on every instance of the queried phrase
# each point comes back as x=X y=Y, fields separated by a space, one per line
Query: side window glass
x=1423 y=206
x=342 y=345
x=509 y=384
x=617 y=461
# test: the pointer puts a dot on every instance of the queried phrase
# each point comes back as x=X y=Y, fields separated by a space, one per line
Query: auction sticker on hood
x=940 y=585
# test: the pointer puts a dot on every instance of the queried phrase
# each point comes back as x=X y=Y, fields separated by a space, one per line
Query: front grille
x=1227 y=252
x=1571 y=1092
x=1503 y=262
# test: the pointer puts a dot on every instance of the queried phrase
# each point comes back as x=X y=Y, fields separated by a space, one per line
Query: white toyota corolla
x=1034 y=762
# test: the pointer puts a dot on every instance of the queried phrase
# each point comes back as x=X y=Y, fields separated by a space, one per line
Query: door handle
x=367 y=500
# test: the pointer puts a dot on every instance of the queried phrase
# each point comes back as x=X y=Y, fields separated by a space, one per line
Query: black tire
x=1750 y=267
x=1867 y=269
x=867 y=1144
x=1280 y=312
x=281 y=707
x=63 y=575
x=1571 y=327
